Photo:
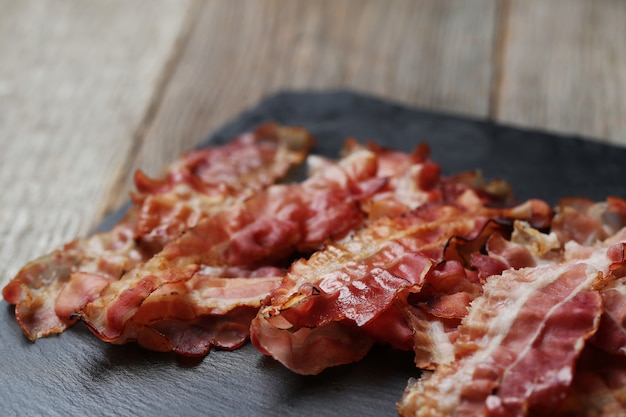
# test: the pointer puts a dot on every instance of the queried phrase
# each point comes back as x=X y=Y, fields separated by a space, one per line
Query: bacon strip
x=214 y=307
x=517 y=347
x=49 y=290
x=266 y=229
x=205 y=181
x=413 y=180
x=586 y=222
x=357 y=283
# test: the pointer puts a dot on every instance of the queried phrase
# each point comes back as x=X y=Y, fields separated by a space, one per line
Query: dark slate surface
x=76 y=374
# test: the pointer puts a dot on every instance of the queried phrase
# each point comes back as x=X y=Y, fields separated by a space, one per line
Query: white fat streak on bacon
x=432 y=341
x=48 y=290
x=490 y=344
x=212 y=294
x=268 y=226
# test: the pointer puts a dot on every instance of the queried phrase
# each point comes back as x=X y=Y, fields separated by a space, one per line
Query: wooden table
x=90 y=91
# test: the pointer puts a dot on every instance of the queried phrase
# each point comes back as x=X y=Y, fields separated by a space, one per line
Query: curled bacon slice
x=358 y=283
x=213 y=308
x=585 y=221
x=49 y=290
x=205 y=181
x=611 y=335
x=516 y=349
x=413 y=180
x=268 y=228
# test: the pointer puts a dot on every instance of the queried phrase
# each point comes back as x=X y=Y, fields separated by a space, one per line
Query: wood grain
x=91 y=91
x=564 y=67
x=75 y=81
x=427 y=53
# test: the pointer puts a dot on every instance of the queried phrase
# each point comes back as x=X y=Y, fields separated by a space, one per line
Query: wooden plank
x=76 y=78
x=426 y=53
x=564 y=67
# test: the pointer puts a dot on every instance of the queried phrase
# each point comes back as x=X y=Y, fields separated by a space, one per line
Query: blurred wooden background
x=91 y=90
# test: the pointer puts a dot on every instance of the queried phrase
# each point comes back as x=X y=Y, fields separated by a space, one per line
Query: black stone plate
x=76 y=374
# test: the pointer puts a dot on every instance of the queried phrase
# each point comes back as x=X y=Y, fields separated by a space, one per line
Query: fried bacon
x=413 y=180
x=213 y=308
x=611 y=336
x=49 y=290
x=359 y=285
x=516 y=350
x=511 y=309
x=585 y=221
x=265 y=230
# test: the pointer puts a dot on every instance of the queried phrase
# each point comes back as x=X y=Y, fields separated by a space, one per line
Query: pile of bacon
x=512 y=308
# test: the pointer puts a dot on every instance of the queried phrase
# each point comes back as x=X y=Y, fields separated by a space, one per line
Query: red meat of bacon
x=355 y=289
x=516 y=350
x=267 y=229
x=48 y=290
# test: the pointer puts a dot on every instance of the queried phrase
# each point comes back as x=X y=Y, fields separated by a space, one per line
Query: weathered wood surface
x=76 y=79
x=90 y=91
x=564 y=67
